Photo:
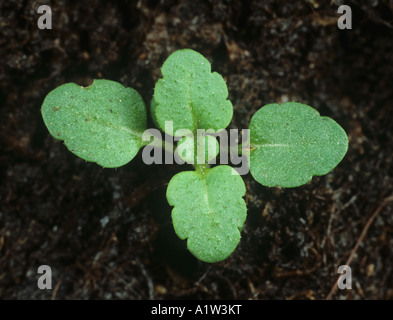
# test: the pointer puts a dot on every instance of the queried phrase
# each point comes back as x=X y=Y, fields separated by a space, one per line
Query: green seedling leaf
x=208 y=210
x=188 y=150
x=101 y=123
x=190 y=95
x=291 y=142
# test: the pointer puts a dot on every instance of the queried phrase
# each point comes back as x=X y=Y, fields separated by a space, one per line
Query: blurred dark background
x=107 y=233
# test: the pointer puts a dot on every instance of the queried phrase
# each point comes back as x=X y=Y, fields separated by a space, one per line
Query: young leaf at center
x=208 y=210
x=291 y=142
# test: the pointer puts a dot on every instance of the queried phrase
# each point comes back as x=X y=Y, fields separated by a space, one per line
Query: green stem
x=202 y=168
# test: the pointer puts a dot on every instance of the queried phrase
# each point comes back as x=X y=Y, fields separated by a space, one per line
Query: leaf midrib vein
x=134 y=133
x=190 y=104
x=207 y=198
x=278 y=145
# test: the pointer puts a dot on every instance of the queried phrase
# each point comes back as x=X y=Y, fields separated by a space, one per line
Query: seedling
x=289 y=143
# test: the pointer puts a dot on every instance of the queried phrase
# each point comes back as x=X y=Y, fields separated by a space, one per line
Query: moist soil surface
x=107 y=233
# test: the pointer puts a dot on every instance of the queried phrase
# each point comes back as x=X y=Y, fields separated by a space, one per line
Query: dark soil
x=107 y=233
